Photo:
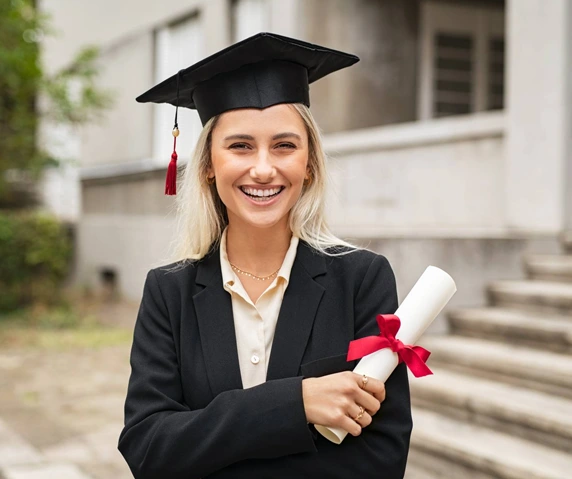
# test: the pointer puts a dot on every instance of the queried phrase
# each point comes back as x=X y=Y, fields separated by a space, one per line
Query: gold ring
x=364 y=381
x=361 y=413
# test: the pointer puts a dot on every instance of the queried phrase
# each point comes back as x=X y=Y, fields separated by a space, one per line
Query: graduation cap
x=260 y=71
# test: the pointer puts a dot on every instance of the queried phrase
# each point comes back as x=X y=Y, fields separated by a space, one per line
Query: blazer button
x=255 y=359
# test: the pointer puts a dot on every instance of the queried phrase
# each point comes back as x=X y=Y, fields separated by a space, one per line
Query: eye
x=239 y=146
x=286 y=145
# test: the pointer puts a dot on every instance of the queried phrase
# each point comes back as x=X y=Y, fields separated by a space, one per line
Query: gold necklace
x=253 y=276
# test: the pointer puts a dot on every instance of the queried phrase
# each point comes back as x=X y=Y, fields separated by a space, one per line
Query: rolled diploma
x=424 y=302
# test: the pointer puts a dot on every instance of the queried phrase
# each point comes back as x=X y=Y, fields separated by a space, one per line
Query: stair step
x=549 y=267
x=541 y=370
x=540 y=296
x=513 y=410
x=454 y=449
x=514 y=326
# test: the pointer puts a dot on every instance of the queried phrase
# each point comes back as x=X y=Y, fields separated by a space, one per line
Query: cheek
x=223 y=167
x=301 y=167
x=295 y=165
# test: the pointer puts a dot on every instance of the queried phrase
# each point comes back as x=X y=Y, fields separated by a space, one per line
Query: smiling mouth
x=262 y=195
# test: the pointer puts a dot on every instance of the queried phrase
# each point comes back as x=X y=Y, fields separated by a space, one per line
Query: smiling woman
x=260 y=177
x=240 y=344
x=231 y=136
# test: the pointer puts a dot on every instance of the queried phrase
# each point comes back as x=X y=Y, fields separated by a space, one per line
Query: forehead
x=283 y=117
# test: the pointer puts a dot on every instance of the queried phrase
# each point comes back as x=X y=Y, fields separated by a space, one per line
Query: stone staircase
x=499 y=404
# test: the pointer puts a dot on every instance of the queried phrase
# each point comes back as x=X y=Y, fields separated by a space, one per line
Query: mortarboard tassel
x=171 y=180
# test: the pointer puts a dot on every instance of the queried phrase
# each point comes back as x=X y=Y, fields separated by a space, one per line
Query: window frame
x=482 y=22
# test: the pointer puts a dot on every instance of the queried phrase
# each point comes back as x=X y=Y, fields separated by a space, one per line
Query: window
x=177 y=46
x=462 y=59
x=249 y=17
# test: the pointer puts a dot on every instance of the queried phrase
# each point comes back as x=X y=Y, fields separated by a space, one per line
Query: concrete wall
x=129 y=245
x=126 y=226
x=381 y=88
x=104 y=23
x=125 y=134
x=441 y=177
x=141 y=194
x=539 y=141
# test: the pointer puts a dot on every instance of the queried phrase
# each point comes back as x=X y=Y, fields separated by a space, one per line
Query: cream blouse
x=255 y=323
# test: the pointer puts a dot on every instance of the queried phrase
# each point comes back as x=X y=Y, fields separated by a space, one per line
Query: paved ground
x=61 y=412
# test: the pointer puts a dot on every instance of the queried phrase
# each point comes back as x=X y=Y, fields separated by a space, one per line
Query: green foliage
x=36 y=251
x=70 y=96
x=19 y=78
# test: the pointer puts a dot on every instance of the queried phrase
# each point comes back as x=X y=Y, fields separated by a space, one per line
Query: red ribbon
x=414 y=356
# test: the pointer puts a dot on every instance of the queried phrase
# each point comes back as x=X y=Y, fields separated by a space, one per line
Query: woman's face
x=260 y=160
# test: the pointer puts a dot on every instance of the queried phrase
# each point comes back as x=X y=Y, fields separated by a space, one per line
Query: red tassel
x=171 y=180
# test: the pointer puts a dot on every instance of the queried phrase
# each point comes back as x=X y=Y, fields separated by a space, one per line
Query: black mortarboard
x=261 y=71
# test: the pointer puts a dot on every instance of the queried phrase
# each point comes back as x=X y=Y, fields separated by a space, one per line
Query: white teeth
x=260 y=193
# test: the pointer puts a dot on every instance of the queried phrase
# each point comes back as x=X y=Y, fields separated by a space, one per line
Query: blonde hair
x=202 y=215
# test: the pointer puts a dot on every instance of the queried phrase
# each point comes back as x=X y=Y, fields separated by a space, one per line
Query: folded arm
x=381 y=450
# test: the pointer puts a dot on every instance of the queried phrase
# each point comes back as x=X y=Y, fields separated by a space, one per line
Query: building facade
x=449 y=141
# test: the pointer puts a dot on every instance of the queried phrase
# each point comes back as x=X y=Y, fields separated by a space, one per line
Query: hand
x=334 y=400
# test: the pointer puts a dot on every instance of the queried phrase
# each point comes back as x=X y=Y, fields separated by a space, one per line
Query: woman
x=240 y=345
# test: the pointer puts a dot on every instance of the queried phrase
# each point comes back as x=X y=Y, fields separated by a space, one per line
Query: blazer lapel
x=297 y=313
x=213 y=307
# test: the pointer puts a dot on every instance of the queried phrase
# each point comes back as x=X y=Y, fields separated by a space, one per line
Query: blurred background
x=450 y=144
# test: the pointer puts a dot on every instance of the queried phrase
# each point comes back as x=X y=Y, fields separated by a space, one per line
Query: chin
x=261 y=221
x=266 y=224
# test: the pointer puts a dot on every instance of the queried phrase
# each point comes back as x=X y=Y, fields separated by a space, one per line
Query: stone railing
x=441 y=177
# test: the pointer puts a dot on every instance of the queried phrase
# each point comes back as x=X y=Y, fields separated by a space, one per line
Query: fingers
x=351 y=426
x=373 y=386
x=361 y=416
x=354 y=423
x=370 y=403
x=380 y=396
x=336 y=400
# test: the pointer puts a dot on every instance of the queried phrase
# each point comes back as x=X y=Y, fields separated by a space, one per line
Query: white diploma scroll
x=424 y=302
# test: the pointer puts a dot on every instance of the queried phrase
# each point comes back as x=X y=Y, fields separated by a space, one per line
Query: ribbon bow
x=414 y=356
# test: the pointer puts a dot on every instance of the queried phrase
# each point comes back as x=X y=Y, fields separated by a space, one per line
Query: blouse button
x=255 y=359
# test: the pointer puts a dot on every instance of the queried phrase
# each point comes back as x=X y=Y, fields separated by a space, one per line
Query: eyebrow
x=279 y=136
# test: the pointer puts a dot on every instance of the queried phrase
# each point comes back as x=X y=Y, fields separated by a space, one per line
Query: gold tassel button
x=175 y=132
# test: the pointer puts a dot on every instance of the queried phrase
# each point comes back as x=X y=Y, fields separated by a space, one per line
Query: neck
x=258 y=251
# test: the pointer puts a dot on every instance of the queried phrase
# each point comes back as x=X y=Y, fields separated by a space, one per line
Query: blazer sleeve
x=384 y=444
x=163 y=438
x=381 y=450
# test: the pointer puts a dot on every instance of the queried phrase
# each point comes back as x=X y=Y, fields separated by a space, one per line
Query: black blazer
x=186 y=412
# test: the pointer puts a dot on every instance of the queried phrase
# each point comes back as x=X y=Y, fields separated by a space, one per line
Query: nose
x=263 y=168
